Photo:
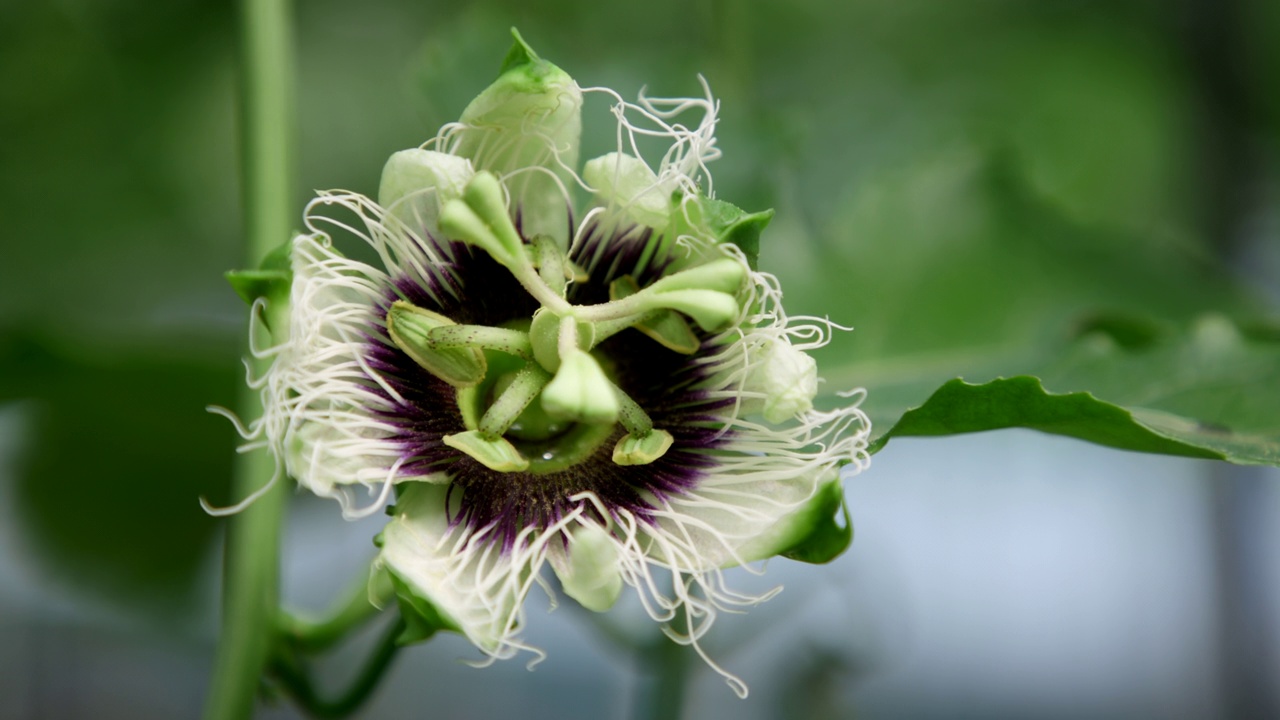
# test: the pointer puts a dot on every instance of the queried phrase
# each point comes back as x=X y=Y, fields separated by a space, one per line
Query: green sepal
x=827 y=539
x=519 y=55
x=732 y=224
x=727 y=223
x=253 y=284
x=421 y=619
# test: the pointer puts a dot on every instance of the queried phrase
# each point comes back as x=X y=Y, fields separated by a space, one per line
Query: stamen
x=494 y=453
x=665 y=326
x=480 y=218
x=410 y=329
x=642 y=444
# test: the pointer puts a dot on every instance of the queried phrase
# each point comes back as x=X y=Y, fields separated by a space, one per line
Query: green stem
x=251 y=561
x=291 y=672
x=363 y=603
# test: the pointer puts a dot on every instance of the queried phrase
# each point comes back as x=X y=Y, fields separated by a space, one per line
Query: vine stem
x=252 y=557
x=668 y=669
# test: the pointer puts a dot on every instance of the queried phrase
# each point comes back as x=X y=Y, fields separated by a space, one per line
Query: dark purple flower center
x=476 y=290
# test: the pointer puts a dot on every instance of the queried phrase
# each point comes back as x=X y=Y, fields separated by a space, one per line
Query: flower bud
x=530 y=120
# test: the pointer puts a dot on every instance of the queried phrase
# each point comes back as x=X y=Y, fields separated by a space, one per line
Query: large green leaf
x=958 y=325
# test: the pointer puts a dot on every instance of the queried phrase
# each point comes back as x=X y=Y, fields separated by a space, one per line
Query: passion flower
x=611 y=389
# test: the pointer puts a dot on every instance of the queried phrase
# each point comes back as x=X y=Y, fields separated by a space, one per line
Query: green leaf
x=732 y=224
x=1209 y=393
x=829 y=538
x=993 y=283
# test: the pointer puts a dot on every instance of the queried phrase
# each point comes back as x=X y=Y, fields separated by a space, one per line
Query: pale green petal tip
x=591 y=575
x=495 y=453
x=526 y=127
x=519 y=55
x=628 y=185
x=416 y=183
x=528 y=88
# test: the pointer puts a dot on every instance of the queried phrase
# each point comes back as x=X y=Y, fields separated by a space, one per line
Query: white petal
x=468 y=583
x=320 y=408
x=417 y=183
x=628 y=186
x=591 y=573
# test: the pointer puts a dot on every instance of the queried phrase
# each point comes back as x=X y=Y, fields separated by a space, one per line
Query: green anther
x=711 y=309
x=511 y=342
x=410 y=329
x=581 y=392
x=665 y=326
x=494 y=453
x=642 y=450
x=550 y=263
x=724 y=275
x=514 y=399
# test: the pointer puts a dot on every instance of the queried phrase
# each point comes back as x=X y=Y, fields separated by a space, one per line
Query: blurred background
x=910 y=148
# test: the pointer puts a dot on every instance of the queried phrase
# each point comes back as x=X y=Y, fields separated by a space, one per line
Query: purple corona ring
x=540 y=363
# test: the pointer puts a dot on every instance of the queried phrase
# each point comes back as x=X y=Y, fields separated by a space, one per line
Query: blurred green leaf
x=120 y=451
x=1009 y=287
